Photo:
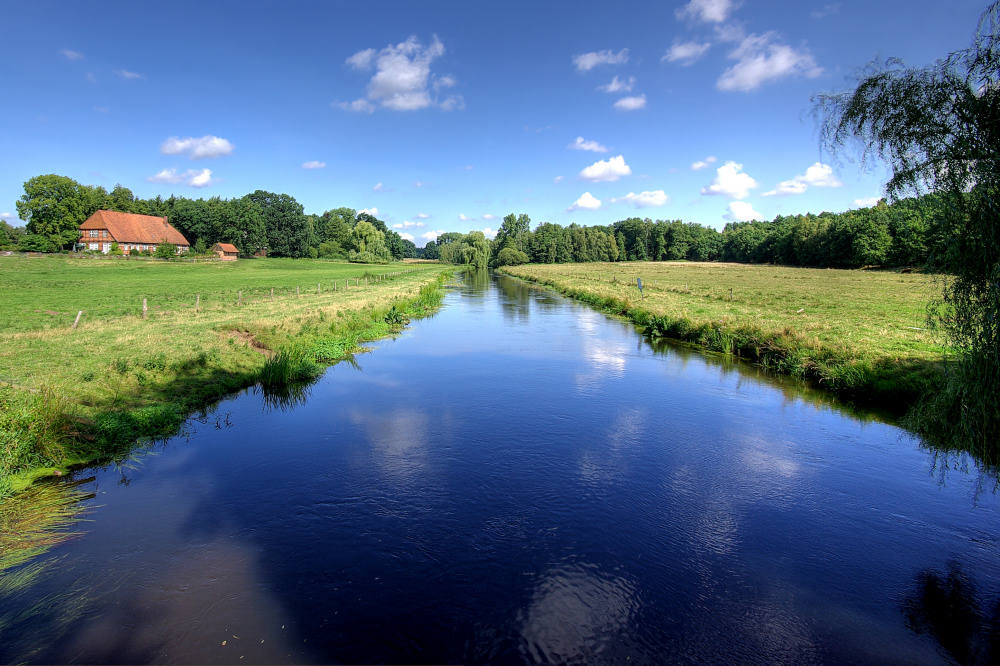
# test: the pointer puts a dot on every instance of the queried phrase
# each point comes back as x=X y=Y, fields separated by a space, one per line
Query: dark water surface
x=519 y=479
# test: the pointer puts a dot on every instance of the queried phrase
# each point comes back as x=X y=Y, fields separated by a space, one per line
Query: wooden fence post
x=296 y=291
x=272 y=293
x=317 y=289
x=197 y=302
x=77 y=320
x=144 y=314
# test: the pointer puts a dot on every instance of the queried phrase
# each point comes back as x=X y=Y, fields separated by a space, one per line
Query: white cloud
x=125 y=74
x=192 y=177
x=444 y=82
x=373 y=211
x=818 y=175
x=409 y=225
x=315 y=164
x=402 y=79
x=741 y=211
x=7 y=216
x=608 y=170
x=464 y=218
x=686 y=53
x=586 y=202
x=378 y=187
x=631 y=103
x=730 y=182
x=557 y=180
x=487 y=216
x=71 y=55
x=431 y=235
x=581 y=144
x=760 y=61
x=90 y=77
x=207 y=147
x=702 y=164
x=588 y=61
x=644 y=199
x=826 y=11
x=708 y=11
x=408 y=237
x=618 y=85
x=453 y=103
x=422 y=216
x=867 y=202
x=360 y=105
x=201 y=179
x=489 y=233
x=419 y=183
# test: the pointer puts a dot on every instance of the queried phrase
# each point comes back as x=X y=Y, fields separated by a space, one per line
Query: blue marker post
x=642 y=296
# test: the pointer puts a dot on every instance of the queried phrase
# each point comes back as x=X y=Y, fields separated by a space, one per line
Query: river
x=520 y=479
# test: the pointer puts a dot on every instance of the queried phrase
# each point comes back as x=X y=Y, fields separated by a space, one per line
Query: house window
x=93 y=233
x=93 y=246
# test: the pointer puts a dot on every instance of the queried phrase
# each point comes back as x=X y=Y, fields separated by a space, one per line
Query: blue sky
x=446 y=116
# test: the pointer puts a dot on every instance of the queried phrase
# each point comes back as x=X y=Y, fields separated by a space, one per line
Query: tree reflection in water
x=945 y=605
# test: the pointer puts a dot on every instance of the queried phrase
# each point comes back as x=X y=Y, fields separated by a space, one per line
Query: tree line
x=909 y=232
x=53 y=208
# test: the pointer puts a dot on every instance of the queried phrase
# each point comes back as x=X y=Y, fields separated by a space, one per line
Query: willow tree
x=938 y=129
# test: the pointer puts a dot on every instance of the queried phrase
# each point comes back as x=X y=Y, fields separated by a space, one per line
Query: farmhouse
x=226 y=251
x=132 y=232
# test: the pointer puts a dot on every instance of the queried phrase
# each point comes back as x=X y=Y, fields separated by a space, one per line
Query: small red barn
x=226 y=251
x=132 y=232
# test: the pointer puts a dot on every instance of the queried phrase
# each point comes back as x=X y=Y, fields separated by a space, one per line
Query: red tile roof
x=133 y=228
x=225 y=247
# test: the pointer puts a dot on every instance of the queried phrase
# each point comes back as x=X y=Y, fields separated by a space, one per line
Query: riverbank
x=71 y=396
x=859 y=333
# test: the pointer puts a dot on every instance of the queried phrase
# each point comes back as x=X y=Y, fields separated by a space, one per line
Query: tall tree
x=54 y=207
x=288 y=232
x=938 y=128
x=241 y=222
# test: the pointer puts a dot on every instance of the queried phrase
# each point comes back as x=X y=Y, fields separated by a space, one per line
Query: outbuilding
x=131 y=231
x=226 y=251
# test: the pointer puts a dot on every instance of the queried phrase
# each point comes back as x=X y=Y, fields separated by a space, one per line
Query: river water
x=520 y=479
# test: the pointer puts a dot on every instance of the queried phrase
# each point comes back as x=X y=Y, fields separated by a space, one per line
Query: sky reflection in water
x=520 y=479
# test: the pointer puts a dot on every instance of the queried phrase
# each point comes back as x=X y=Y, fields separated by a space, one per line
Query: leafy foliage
x=938 y=127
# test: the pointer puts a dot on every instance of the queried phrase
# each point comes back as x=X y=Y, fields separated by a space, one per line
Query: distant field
x=42 y=295
x=861 y=333
x=877 y=312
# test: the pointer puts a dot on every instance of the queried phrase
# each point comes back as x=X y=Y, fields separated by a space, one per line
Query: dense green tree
x=334 y=227
x=430 y=250
x=511 y=256
x=409 y=249
x=368 y=244
x=192 y=218
x=54 y=207
x=288 y=229
x=938 y=128
x=10 y=235
x=240 y=222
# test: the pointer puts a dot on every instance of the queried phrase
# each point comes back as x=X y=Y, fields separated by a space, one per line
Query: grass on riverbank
x=858 y=332
x=78 y=395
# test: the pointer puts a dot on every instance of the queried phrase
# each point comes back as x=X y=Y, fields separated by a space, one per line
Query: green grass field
x=119 y=374
x=859 y=331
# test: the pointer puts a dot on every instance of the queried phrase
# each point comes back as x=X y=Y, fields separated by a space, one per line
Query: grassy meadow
x=861 y=332
x=70 y=395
